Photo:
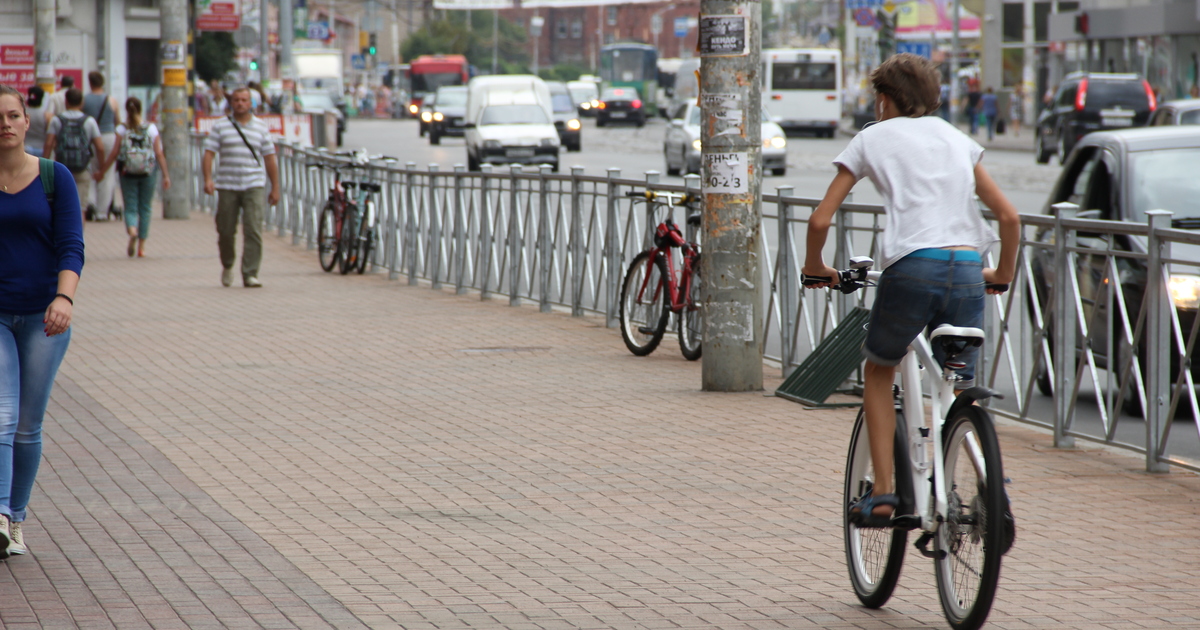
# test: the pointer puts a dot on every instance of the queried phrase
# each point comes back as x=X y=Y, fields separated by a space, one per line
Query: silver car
x=1185 y=112
x=681 y=146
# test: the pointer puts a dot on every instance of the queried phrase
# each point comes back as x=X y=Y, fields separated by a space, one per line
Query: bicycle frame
x=920 y=355
x=678 y=282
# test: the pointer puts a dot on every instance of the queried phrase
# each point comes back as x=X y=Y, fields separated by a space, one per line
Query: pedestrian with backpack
x=73 y=137
x=41 y=257
x=137 y=152
x=105 y=109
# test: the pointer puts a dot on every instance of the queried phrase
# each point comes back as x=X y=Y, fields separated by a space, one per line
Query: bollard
x=1064 y=324
x=612 y=252
x=788 y=303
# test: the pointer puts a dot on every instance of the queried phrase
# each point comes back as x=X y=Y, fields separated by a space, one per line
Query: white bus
x=802 y=88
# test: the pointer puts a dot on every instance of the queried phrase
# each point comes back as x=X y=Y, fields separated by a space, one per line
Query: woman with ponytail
x=137 y=152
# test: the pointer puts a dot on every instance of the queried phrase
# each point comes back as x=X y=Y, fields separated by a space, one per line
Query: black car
x=448 y=113
x=1087 y=102
x=1185 y=112
x=570 y=131
x=1119 y=176
x=620 y=104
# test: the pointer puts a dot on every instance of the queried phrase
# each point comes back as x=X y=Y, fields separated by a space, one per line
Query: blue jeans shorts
x=924 y=290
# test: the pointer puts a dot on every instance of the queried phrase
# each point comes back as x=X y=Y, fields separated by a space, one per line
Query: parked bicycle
x=656 y=285
x=949 y=479
x=347 y=228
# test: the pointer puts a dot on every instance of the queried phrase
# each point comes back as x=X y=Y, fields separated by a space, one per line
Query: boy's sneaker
x=16 y=546
x=5 y=536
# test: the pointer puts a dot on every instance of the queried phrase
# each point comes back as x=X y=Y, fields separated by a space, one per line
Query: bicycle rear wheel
x=350 y=243
x=972 y=538
x=644 y=309
x=328 y=250
x=366 y=236
x=874 y=556
x=691 y=324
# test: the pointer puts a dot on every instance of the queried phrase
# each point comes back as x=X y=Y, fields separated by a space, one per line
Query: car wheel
x=1062 y=149
x=779 y=171
x=671 y=168
x=434 y=137
x=421 y=130
x=599 y=122
x=1042 y=153
x=472 y=163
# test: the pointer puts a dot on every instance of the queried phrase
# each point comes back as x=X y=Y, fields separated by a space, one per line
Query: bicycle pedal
x=647 y=330
x=907 y=522
x=922 y=545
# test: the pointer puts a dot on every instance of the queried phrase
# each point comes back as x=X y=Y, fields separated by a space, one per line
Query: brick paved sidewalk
x=344 y=452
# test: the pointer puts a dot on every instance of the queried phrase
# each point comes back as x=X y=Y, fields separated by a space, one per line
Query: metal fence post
x=486 y=238
x=578 y=264
x=1158 y=339
x=410 y=222
x=514 y=237
x=1064 y=324
x=652 y=180
x=544 y=241
x=435 y=231
x=783 y=280
x=612 y=251
x=393 y=224
x=460 y=231
x=841 y=258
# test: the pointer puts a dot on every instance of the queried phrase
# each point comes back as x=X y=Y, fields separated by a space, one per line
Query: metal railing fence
x=565 y=239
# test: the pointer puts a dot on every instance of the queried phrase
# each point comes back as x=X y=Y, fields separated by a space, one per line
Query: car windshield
x=1166 y=180
x=583 y=94
x=562 y=103
x=1190 y=118
x=430 y=82
x=452 y=98
x=316 y=101
x=1106 y=94
x=513 y=115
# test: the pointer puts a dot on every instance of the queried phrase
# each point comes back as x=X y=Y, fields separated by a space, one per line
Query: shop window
x=142 y=56
x=560 y=29
x=612 y=15
x=576 y=29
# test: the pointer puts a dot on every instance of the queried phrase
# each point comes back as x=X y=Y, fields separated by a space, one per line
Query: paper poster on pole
x=726 y=173
x=724 y=36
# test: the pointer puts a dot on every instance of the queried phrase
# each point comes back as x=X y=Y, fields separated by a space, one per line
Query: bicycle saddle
x=971 y=336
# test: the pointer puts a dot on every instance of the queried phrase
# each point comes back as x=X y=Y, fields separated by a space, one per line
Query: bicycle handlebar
x=859 y=275
x=672 y=198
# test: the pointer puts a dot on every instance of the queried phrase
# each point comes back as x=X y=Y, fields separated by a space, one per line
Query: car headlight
x=586 y=105
x=426 y=116
x=438 y=116
x=777 y=142
x=696 y=144
x=595 y=103
x=549 y=142
x=412 y=109
x=573 y=124
x=492 y=144
x=1185 y=291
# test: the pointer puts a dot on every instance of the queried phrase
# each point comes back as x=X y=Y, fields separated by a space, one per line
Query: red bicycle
x=346 y=228
x=658 y=282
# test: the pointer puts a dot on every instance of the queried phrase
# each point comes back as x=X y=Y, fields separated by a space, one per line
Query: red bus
x=427 y=73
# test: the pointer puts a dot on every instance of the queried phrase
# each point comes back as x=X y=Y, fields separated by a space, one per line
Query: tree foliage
x=452 y=37
x=215 y=55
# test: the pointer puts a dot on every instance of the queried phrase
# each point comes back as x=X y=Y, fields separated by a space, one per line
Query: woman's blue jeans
x=29 y=362
x=138 y=193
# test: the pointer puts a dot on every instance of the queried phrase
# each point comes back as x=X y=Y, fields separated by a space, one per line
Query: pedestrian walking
x=41 y=257
x=1016 y=109
x=218 y=105
x=973 y=98
x=245 y=148
x=35 y=106
x=136 y=153
x=57 y=102
x=73 y=137
x=104 y=108
x=989 y=110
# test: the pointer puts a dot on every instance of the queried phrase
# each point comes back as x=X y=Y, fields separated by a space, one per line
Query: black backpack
x=73 y=149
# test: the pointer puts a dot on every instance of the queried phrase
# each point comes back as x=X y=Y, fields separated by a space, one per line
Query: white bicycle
x=949 y=480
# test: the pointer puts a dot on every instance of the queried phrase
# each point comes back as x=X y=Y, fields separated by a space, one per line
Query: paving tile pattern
x=341 y=449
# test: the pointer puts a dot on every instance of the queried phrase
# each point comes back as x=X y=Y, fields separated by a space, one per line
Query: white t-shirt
x=151 y=131
x=925 y=170
x=90 y=127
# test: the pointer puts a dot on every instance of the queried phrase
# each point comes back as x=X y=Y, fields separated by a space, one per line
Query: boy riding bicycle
x=931 y=248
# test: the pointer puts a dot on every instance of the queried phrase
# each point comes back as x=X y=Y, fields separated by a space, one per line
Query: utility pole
x=44 y=46
x=173 y=26
x=731 y=99
x=286 y=33
x=495 y=40
x=955 y=52
x=264 y=44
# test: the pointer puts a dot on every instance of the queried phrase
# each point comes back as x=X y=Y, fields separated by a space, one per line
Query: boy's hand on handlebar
x=824 y=276
x=996 y=282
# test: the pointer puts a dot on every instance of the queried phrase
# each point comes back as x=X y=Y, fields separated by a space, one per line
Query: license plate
x=1116 y=121
x=520 y=153
x=617 y=115
x=457 y=122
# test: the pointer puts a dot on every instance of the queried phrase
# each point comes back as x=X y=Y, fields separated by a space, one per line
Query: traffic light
x=371 y=49
x=254 y=64
x=1082 y=24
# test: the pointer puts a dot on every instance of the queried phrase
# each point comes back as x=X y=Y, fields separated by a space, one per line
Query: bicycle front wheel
x=971 y=540
x=874 y=556
x=691 y=326
x=328 y=249
x=366 y=236
x=350 y=244
x=644 y=309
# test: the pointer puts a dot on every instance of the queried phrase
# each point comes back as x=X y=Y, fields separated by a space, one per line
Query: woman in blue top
x=41 y=256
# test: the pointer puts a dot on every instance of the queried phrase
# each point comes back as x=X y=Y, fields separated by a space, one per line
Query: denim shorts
x=924 y=290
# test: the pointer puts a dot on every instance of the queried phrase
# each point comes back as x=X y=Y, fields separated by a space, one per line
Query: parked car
x=509 y=121
x=449 y=113
x=320 y=102
x=620 y=105
x=1119 y=176
x=681 y=145
x=570 y=130
x=425 y=113
x=1185 y=112
x=586 y=96
x=1087 y=102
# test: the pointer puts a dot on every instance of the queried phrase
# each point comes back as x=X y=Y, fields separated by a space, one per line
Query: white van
x=802 y=88
x=510 y=120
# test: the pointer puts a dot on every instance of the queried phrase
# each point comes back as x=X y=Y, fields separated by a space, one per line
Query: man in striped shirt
x=245 y=147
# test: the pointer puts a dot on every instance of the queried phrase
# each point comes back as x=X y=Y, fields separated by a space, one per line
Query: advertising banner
x=929 y=16
x=17 y=68
x=475 y=4
x=218 y=15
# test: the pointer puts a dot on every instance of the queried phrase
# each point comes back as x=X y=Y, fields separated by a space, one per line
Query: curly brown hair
x=913 y=83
